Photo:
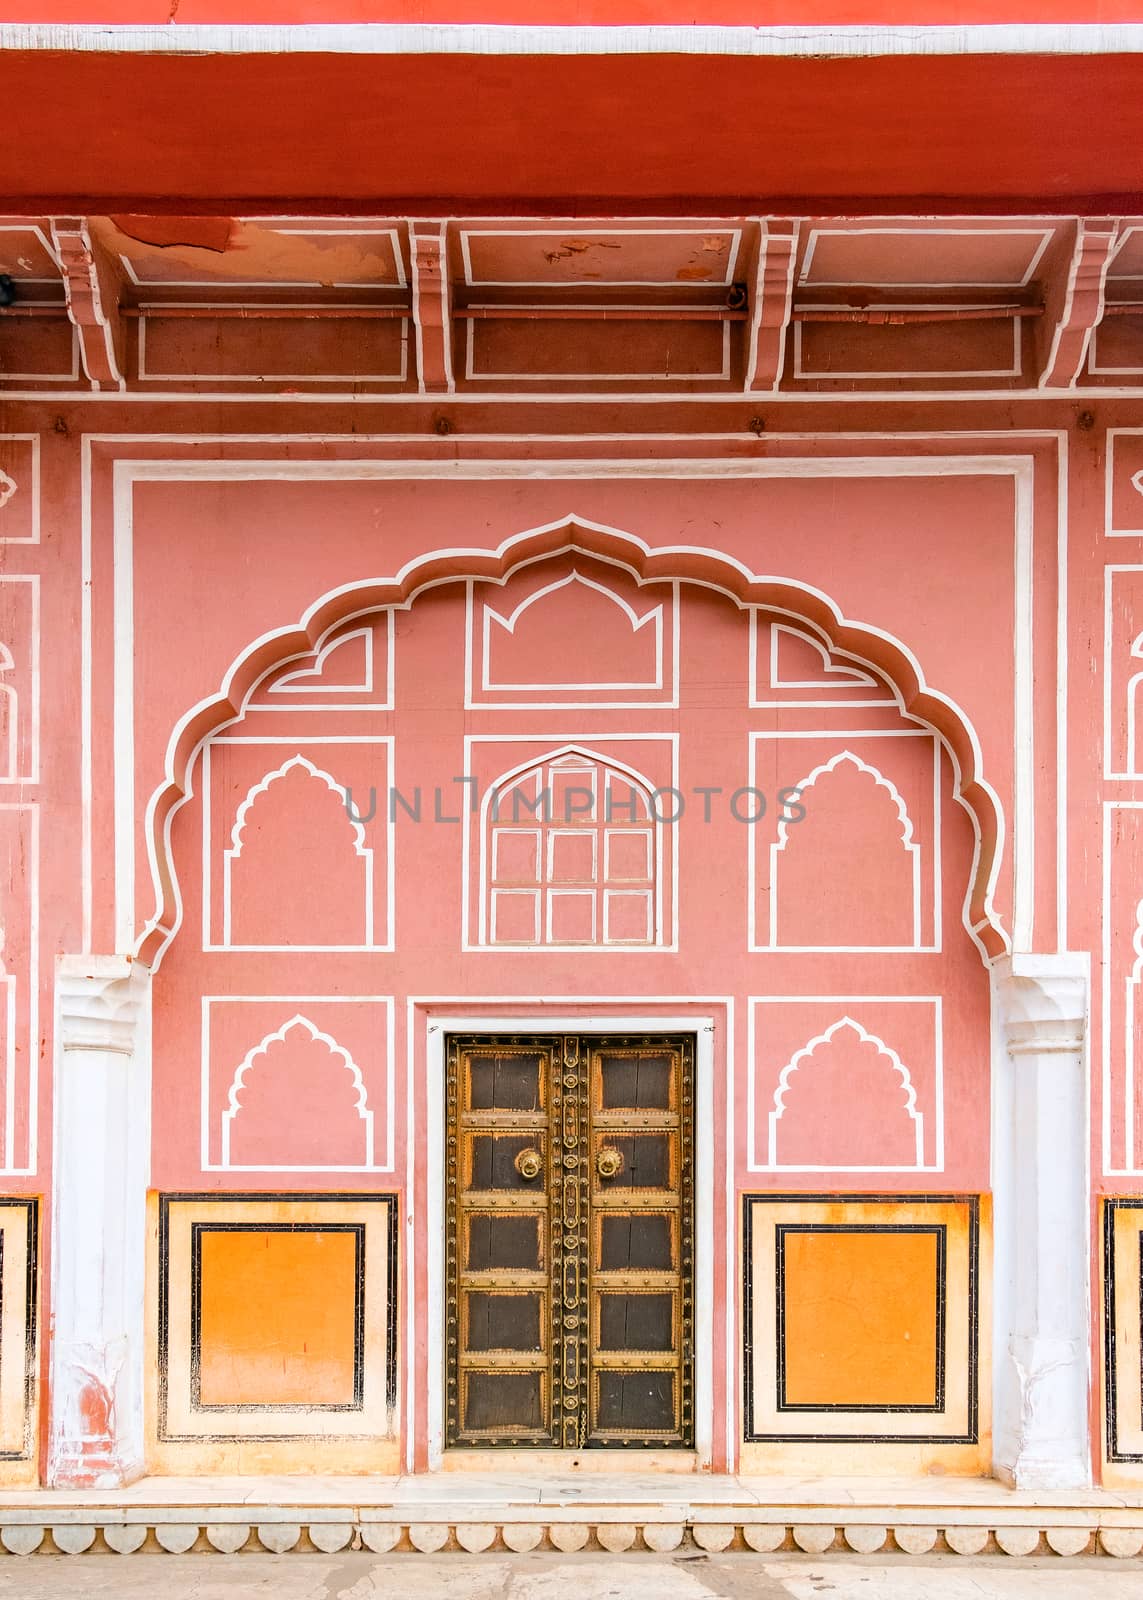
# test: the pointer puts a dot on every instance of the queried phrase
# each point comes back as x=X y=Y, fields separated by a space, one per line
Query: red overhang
x=651 y=131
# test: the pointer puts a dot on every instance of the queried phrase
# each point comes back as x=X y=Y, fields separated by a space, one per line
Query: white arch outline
x=508 y=625
x=912 y=850
x=8 y=1009
x=229 y=702
x=537 y=763
x=848 y=676
x=1133 y=684
x=1132 y=984
x=262 y=1049
x=296 y=761
x=804 y=1054
x=290 y=682
x=9 y=693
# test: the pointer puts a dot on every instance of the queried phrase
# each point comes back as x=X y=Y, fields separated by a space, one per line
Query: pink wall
x=203 y=541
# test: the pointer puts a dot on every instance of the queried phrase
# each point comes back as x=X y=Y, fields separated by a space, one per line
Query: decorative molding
x=521 y=1527
x=772 y=306
x=1081 y=311
x=432 y=307
x=806 y=1054
x=92 y=293
x=847 y=639
x=1045 y=1002
x=101 y=1002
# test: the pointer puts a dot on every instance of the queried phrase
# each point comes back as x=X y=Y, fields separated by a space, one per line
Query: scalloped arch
x=782 y=599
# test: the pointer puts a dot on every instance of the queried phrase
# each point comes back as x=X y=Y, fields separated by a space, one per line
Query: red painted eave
x=115 y=131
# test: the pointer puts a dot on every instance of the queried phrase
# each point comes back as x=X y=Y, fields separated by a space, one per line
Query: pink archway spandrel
x=779 y=599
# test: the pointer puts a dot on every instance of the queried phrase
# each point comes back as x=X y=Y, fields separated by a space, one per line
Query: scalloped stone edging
x=1068 y=1534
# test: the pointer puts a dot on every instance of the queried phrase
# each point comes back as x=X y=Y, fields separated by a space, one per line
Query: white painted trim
x=608 y=229
x=999 y=397
x=872 y=374
x=1120 y=245
x=912 y=849
x=487 y=39
x=589 y=374
x=508 y=625
x=1127 y=719
x=1024 y=714
x=789 y=466
x=33 y=440
x=804 y=1054
x=853 y=677
x=605 y=1017
x=854 y=1001
x=454 y=467
x=74 y=373
x=228 y=282
x=661 y=695
x=550 y=747
x=1109 y=470
x=29 y=1037
x=149 y=310
x=1094 y=368
x=23 y=715
x=123 y=715
x=1063 y=581
x=386 y=1001
x=86 y=701
x=366 y=853
x=840 y=736
x=1043 y=234
x=292 y=683
x=1112 y=1018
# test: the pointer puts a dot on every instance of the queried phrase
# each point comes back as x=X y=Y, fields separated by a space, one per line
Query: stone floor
x=686 y=1576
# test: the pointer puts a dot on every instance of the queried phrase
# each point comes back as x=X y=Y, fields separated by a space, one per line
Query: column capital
x=1043 y=1001
x=100 y=1002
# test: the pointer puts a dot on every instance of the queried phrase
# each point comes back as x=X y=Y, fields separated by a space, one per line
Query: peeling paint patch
x=205 y=233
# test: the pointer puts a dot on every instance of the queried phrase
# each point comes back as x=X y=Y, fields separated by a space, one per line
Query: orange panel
x=860 y=1318
x=277 y=1318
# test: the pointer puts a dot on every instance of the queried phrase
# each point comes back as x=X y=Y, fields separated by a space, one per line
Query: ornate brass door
x=570 y=1245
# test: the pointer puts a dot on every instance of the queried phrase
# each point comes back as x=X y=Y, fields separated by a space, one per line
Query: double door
x=570 y=1241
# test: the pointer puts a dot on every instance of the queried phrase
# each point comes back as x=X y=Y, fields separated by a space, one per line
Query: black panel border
x=972 y=1433
x=220 y=1197
x=357 y=1230
x=1110 y=1208
x=31 y=1205
x=938 y=1231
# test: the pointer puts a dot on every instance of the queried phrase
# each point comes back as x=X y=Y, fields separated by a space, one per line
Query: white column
x=1041 y=1142
x=101 y=1165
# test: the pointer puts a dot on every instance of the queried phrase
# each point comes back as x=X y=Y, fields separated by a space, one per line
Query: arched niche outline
x=799 y=605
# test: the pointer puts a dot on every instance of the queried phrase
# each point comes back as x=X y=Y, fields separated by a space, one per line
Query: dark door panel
x=570 y=1241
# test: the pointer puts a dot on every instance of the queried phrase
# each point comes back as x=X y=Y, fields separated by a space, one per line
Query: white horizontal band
x=1071 y=38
